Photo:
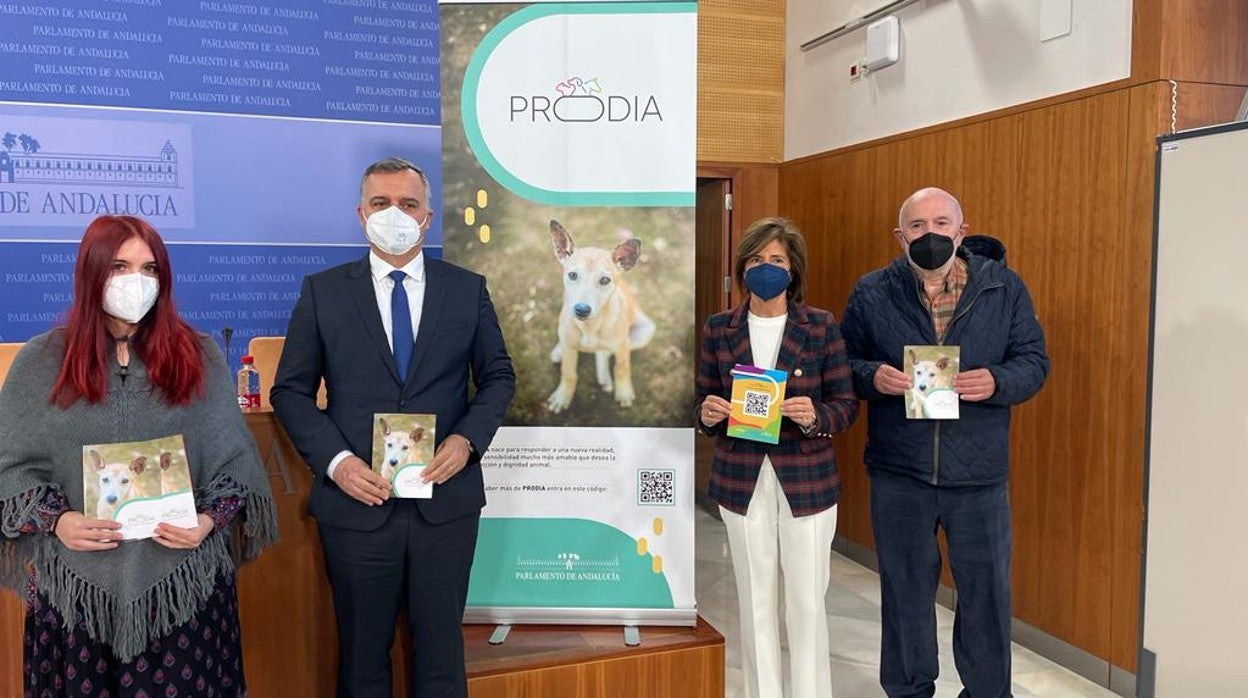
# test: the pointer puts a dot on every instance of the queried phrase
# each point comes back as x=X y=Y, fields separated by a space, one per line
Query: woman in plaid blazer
x=778 y=502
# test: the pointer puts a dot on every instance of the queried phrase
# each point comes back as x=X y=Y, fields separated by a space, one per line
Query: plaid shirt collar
x=942 y=306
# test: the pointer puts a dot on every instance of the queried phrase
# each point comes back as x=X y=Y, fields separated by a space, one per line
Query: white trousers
x=765 y=541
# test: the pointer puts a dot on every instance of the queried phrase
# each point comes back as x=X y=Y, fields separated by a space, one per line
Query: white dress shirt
x=383 y=286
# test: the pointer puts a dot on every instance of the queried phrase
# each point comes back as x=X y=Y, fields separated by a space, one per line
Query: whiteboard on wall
x=1195 y=614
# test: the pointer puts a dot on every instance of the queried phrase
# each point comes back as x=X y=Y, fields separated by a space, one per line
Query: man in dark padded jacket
x=952 y=474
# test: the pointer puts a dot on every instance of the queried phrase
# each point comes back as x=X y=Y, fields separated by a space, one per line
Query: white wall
x=958 y=58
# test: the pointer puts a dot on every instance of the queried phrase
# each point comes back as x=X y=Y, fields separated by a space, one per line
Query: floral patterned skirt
x=202 y=657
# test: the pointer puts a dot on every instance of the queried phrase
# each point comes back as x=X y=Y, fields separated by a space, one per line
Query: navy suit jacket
x=335 y=333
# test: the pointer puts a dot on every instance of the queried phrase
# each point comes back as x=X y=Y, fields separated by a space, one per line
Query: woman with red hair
x=104 y=616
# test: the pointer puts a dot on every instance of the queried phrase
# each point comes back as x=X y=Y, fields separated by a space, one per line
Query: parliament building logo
x=33 y=166
x=57 y=172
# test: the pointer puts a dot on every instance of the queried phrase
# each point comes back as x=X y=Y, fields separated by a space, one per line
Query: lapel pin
x=797 y=372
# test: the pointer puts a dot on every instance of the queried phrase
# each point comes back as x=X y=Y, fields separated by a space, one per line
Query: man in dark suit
x=395 y=332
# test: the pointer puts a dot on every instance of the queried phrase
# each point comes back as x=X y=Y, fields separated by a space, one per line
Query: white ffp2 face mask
x=130 y=296
x=393 y=231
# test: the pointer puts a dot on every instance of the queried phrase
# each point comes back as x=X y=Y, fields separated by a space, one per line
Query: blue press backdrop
x=238 y=130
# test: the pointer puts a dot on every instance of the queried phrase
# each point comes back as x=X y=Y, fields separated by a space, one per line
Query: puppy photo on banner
x=618 y=288
x=600 y=315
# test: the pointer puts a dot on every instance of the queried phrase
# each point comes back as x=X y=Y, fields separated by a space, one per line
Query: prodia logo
x=584 y=101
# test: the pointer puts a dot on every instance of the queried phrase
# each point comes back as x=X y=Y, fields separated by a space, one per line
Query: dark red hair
x=166 y=345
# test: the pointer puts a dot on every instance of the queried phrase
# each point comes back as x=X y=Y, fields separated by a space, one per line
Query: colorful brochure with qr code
x=139 y=484
x=931 y=370
x=756 y=397
x=402 y=447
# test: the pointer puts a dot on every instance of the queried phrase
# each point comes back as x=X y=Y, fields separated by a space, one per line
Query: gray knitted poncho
x=140 y=590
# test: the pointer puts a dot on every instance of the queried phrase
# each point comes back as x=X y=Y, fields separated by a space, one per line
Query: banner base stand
x=499 y=636
x=632 y=635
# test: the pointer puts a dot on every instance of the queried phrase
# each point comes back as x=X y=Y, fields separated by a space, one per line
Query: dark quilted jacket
x=995 y=327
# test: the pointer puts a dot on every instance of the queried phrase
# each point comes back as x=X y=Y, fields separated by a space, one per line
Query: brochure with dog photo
x=756 y=397
x=140 y=484
x=931 y=370
x=402 y=447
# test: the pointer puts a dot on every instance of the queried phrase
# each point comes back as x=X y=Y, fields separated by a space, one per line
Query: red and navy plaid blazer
x=813 y=354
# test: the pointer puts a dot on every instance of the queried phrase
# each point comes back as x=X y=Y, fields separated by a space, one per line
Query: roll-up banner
x=569 y=169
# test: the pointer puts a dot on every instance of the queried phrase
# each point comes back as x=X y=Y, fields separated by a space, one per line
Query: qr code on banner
x=656 y=487
x=756 y=404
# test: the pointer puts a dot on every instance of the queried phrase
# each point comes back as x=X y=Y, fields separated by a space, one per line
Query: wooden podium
x=290 y=643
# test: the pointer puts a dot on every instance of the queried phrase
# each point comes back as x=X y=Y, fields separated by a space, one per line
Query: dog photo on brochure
x=139 y=484
x=931 y=370
x=402 y=447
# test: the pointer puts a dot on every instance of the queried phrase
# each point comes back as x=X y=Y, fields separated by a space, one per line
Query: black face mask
x=930 y=251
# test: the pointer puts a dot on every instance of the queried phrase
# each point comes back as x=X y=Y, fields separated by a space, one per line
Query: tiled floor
x=853 y=605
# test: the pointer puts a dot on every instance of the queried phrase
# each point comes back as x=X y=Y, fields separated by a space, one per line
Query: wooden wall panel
x=1146 y=31
x=1205 y=41
x=1199 y=104
x=741 y=80
x=12 y=619
x=1082 y=264
x=757 y=194
x=1051 y=184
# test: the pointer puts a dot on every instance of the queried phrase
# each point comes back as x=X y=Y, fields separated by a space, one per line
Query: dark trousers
x=372 y=573
x=905 y=513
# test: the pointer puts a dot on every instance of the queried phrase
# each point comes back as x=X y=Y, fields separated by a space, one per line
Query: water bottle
x=248 y=384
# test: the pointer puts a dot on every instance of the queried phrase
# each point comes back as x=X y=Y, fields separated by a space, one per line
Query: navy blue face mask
x=767 y=280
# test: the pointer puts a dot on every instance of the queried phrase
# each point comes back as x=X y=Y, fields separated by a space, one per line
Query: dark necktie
x=401 y=324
